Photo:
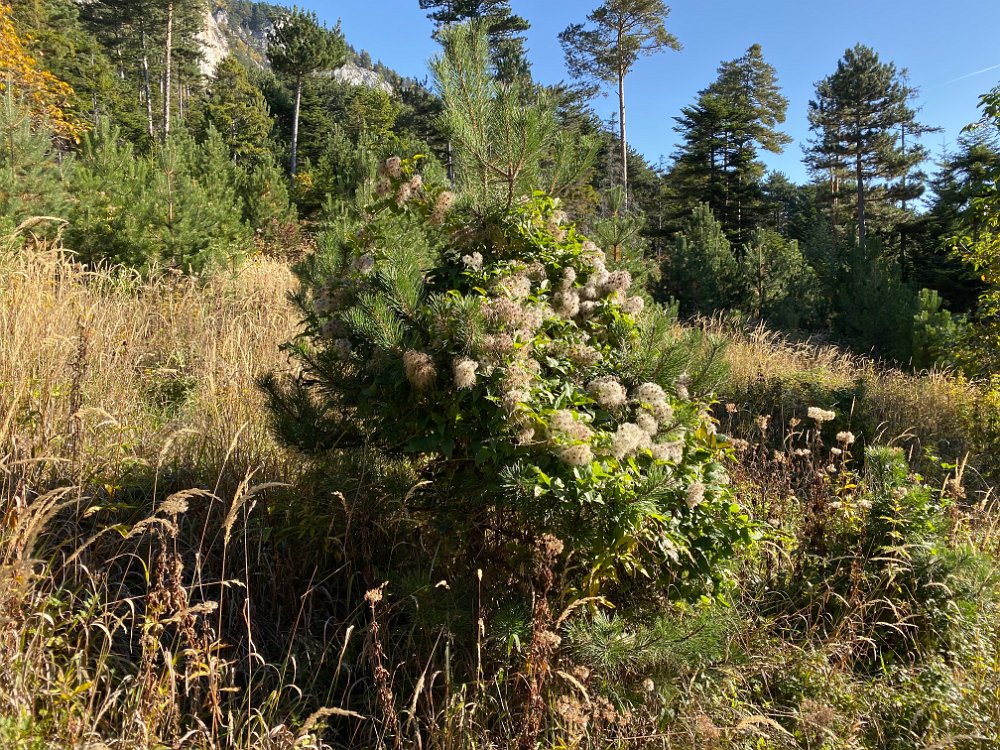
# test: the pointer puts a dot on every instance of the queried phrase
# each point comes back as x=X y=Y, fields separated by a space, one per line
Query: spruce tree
x=297 y=47
x=866 y=132
x=605 y=50
x=734 y=119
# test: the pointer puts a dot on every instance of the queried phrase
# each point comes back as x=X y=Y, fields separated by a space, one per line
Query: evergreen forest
x=342 y=408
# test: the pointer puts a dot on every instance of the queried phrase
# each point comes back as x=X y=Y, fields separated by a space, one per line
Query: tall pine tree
x=861 y=117
x=605 y=51
x=734 y=119
x=299 y=46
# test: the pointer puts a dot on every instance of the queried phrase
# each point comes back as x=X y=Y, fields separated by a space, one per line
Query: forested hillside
x=341 y=408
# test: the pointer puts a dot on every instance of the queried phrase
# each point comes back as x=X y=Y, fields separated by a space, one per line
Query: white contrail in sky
x=969 y=75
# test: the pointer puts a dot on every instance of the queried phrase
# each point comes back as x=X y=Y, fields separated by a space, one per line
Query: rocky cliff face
x=224 y=33
x=354 y=75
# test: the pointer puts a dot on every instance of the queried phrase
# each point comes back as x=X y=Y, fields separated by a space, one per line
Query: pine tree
x=734 y=119
x=981 y=253
x=965 y=178
x=33 y=175
x=619 y=33
x=507 y=136
x=372 y=114
x=182 y=21
x=237 y=110
x=504 y=31
x=526 y=387
x=152 y=42
x=861 y=117
x=176 y=208
x=197 y=216
x=700 y=270
x=873 y=308
x=112 y=214
x=297 y=47
x=263 y=192
x=776 y=283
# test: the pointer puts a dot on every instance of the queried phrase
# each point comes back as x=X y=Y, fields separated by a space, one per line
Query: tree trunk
x=147 y=91
x=859 y=176
x=834 y=204
x=167 y=62
x=621 y=122
x=295 y=126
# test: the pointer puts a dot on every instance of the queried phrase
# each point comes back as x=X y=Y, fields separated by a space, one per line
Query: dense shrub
x=532 y=386
x=177 y=208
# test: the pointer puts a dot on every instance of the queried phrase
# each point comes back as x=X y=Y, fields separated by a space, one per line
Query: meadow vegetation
x=174 y=575
x=438 y=444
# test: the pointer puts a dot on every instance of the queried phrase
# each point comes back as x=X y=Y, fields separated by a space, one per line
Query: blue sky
x=939 y=42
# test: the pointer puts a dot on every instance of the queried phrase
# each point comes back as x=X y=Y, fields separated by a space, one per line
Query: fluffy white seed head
x=821 y=415
x=503 y=311
x=647 y=423
x=649 y=393
x=634 y=306
x=465 y=373
x=608 y=393
x=619 y=281
x=670 y=452
x=404 y=193
x=695 y=495
x=419 y=369
x=442 y=206
x=473 y=262
x=628 y=440
x=567 y=304
x=513 y=399
x=562 y=421
x=582 y=355
x=393 y=167
x=576 y=455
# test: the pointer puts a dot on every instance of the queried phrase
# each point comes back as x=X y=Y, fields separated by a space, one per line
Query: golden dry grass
x=772 y=374
x=102 y=370
x=106 y=378
x=107 y=382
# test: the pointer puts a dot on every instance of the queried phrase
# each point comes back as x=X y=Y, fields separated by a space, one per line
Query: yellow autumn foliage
x=48 y=97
